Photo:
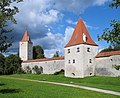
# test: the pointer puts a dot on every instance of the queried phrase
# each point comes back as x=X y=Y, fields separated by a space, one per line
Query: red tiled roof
x=77 y=37
x=107 y=54
x=45 y=59
x=26 y=37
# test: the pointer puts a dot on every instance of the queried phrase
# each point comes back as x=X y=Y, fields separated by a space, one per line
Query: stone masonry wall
x=49 y=67
x=105 y=66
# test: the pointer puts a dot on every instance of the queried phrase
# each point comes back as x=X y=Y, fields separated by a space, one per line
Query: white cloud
x=68 y=34
x=100 y=2
x=71 y=22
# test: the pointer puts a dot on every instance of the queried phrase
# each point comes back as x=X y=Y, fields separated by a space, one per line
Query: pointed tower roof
x=80 y=36
x=26 y=37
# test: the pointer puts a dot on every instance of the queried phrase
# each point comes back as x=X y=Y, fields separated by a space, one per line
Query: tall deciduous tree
x=112 y=35
x=12 y=64
x=38 y=52
x=2 y=61
x=7 y=12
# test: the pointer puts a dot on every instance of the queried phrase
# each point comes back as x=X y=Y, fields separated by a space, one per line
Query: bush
x=59 y=72
x=37 y=69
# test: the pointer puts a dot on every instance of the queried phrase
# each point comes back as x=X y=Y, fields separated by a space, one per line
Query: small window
x=88 y=49
x=73 y=60
x=69 y=61
x=90 y=61
x=78 y=49
x=68 y=50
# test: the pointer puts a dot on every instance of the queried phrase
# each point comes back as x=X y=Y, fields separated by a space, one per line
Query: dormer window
x=69 y=62
x=78 y=49
x=68 y=50
x=88 y=49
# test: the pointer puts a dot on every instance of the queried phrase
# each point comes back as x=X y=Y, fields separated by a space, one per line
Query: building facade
x=81 y=57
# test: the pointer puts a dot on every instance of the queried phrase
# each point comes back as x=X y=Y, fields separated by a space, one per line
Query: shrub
x=59 y=72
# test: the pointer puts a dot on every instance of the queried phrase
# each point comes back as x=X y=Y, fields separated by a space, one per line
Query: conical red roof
x=77 y=36
x=26 y=37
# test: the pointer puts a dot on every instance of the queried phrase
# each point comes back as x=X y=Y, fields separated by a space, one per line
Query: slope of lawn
x=12 y=88
x=109 y=83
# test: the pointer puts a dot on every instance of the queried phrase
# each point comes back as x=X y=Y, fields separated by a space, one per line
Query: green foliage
x=28 y=70
x=117 y=67
x=115 y=48
x=115 y=3
x=2 y=61
x=56 y=54
x=7 y=12
x=37 y=69
x=112 y=35
x=12 y=64
x=38 y=52
x=20 y=71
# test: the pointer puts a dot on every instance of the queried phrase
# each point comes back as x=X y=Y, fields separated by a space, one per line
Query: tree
x=38 y=52
x=12 y=64
x=56 y=54
x=7 y=12
x=115 y=3
x=2 y=61
x=112 y=35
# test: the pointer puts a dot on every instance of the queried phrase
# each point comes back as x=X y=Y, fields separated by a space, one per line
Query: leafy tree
x=112 y=35
x=115 y=3
x=56 y=54
x=7 y=12
x=12 y=64
x=2 y=61
x=37 y=69
x=38 y=52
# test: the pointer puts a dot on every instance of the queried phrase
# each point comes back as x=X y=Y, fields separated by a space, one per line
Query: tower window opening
x=88 y=49
x=73 y=60
x=90 y=60
x=69 y=61
x=78 y=49
x=68 y=50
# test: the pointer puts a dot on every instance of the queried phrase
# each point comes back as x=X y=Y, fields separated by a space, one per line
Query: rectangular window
x=78 y=49
x=88 y=49
x=90 y=60
x=69 y=62
x=68 y=50
x=73 y=60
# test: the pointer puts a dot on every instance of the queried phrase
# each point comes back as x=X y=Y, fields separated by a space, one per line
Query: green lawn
x=12 y=88
x=109 y=83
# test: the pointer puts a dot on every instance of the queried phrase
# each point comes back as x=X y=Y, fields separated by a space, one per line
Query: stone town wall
x=105 y=66
x=49 y=67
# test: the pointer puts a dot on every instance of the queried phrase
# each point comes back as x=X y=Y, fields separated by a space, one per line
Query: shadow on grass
x=2 y=84
x=4 y=91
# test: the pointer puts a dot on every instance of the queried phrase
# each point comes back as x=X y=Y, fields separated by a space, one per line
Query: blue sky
x=50 y=23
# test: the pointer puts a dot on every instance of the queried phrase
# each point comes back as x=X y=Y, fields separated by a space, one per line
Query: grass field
x=109 y=83
x=12 y=88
